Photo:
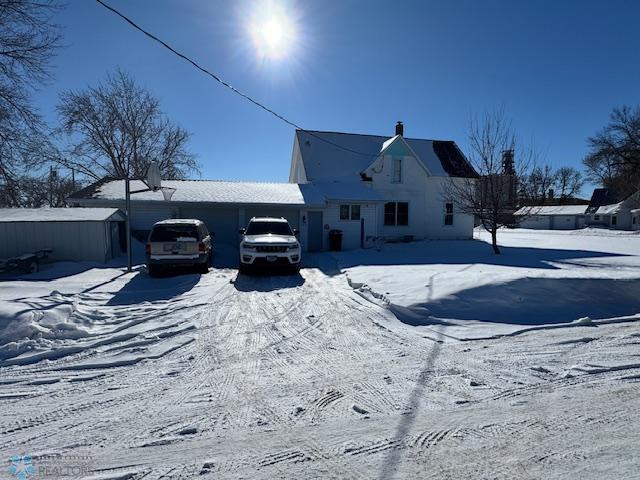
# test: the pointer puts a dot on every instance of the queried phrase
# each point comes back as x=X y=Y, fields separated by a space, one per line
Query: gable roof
x=407 y=148
x=546 y=210
x=59 y=214
x=324 y=161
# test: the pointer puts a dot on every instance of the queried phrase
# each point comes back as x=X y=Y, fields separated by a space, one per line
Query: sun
x=272 y=31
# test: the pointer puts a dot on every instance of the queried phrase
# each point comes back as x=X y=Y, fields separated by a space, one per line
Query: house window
x=448 y=213
x=635 y=220
x=396 y=213
x=596 y=217
x=614 y=220
x=397 y=170
x=349 y=212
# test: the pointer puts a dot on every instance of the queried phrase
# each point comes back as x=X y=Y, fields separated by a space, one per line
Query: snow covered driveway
x=227 y=376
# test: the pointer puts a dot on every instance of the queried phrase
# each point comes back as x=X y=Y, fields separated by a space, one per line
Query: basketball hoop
x=167 y=192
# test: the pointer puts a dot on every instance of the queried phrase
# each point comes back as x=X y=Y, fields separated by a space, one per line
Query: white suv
x=269 y=242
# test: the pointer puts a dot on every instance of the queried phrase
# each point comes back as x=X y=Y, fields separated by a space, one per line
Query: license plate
x=271 y=258
x=170 y=247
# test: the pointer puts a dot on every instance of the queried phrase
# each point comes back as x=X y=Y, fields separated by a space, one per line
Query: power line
x=224 y=83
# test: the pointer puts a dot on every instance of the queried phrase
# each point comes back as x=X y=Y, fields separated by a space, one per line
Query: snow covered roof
x=552 y=210
x=206 y=191
x=325 y=161
x=58 y=214
x=351 y=191
x=609 y=209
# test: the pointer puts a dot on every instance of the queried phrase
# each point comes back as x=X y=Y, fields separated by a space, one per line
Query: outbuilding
x=73 y=234
x=552 y=217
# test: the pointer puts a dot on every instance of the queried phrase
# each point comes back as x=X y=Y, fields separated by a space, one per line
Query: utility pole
x=52 y=175
x=127 y=193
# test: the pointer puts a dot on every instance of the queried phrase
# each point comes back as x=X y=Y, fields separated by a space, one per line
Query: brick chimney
x=399 y=129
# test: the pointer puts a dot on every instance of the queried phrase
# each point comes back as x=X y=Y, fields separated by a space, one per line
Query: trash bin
x=335 y=240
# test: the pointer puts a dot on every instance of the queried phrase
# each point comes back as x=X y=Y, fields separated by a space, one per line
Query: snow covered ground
x=105 y=374
x=542 y=278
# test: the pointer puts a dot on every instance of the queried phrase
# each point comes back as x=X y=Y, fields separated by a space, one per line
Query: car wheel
x=203 y=267
x=152 y=270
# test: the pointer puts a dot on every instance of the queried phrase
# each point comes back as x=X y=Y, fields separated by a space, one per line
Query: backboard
x=153 y=177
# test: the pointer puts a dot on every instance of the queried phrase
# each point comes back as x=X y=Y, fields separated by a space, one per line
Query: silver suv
x=269 y=242
x=178 y=242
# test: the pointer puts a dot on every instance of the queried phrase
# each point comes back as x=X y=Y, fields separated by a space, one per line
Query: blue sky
x=557 y=68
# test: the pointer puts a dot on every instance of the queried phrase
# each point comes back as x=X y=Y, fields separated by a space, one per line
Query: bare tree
x=28 y=40
x=614 y=156
x=534 y=187
x=117 y=128
x=33 y=191
x=568 y=183
x=491 y=198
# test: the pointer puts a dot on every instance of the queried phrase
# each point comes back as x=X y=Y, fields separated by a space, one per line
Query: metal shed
x=74 y=234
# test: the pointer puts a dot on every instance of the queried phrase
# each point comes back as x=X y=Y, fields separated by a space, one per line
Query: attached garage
x=73 y=234
x=224 y=207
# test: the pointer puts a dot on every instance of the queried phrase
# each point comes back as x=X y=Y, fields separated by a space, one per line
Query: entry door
x=315 y=231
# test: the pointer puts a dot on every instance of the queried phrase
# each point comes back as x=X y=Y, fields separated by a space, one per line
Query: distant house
x=368 y=186
x=603 y=211
x=606 y=210
x=558 y=217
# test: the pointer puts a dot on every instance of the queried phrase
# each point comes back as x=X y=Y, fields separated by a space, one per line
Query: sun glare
x=272 y=31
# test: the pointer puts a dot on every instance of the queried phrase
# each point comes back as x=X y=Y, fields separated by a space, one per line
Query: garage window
x=349 y=212
x=396 y=213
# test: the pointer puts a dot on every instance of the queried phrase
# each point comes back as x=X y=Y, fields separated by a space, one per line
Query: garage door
x=222 y=221
x=144 y=216
x=292 y=215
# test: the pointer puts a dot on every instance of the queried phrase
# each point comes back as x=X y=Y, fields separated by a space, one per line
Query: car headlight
x=248 y=246
x=294 y=246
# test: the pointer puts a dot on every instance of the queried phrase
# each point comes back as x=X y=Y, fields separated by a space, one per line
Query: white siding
x=70 y=241
x=351 y=228
x=425 y=195
x=435 y=201
x=539 y=222
x=563 y=222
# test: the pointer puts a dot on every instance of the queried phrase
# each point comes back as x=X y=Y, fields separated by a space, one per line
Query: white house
x=604 y=210
x=408 y=175
x=556 y=217
x=370 y=187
